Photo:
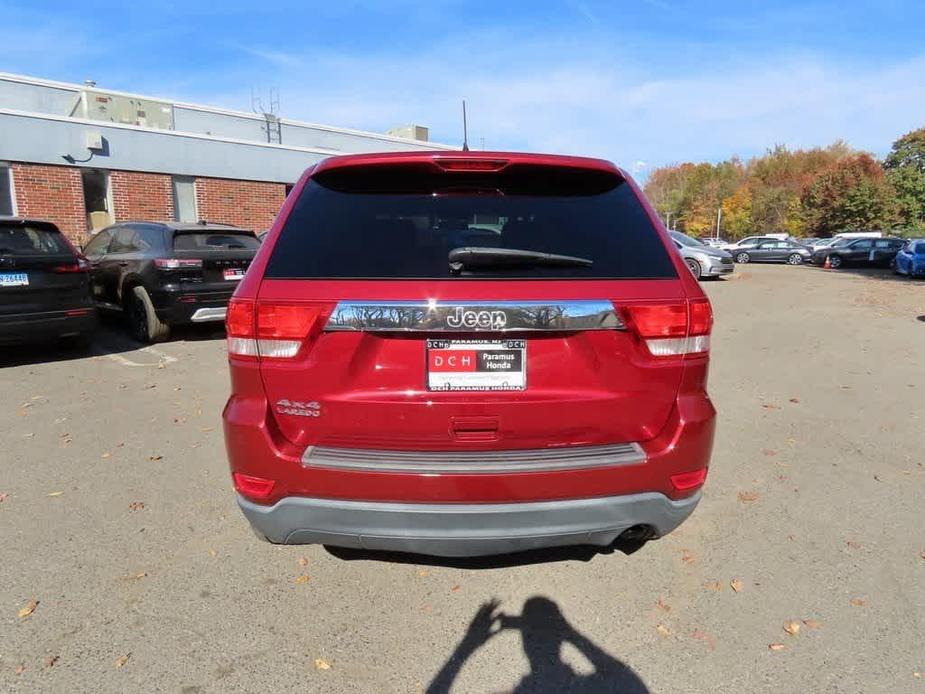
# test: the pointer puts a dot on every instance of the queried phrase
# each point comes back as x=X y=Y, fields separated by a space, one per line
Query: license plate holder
x=14 y=279
x=476 y=365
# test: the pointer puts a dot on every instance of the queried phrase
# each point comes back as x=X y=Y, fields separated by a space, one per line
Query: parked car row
x=156 y=274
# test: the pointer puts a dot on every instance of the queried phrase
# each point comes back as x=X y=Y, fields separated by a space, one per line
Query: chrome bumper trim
x=215 y=313
x=474 y=462
x=473 y=316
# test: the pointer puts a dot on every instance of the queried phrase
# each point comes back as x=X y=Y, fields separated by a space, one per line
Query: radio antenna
x=465 y=129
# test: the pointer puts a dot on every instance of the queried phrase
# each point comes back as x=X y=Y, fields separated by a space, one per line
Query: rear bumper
x=185 y=305
x=46 y=325
x=718 y=270
x=464 y=530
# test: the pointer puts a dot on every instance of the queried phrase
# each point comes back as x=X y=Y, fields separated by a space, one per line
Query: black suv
x=164 y=273
x=44 y=286
x=866 y=252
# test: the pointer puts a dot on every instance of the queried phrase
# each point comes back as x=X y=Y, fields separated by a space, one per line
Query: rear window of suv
x=32 y=240
x=392 y=224
x=214 y=241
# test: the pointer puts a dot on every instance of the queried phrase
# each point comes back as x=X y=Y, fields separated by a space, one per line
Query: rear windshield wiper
x=487 y=258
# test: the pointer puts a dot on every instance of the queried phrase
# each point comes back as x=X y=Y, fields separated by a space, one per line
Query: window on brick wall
x=97 y=198
x=184 y=199
x=7 y=198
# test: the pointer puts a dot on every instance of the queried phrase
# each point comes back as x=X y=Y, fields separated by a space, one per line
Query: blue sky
x=643 y=83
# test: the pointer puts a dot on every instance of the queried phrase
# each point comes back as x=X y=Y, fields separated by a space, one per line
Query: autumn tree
x=853 y=195
x=905 y=166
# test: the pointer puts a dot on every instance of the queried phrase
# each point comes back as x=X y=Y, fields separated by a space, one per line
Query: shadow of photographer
x=543 y=631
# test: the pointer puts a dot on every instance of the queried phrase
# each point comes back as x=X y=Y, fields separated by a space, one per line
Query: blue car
x=911 y=259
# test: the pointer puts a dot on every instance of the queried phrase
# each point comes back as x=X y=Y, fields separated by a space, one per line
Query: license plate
x=14 y=279
x=454 y=365
x=233 y=274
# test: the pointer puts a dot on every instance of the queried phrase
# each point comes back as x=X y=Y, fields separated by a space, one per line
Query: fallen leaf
x=776 y=646
x=792 y=627
x=55 y=493
x=812 y=623
x=205 y=429
x=455 y=588
x=123 y=659
x=795 y=401
x=769 y=406
x=705 y=637
x=423 y=573
x=20 y=669
x=52 y=659
x=155 y=458
x=715 y=585
x=304 y=578
x=664 y=607
x=28 y=609
x=768 y=452
x=877 y=478
x=748 y=497
x=106 y=455
x=303 y=562
x=687 y=557
x=922 y=554
x=3 y=497
x=213 y=553
x=857 y=602
x=322 y=664
x=136 y=577
x=918 y=675
x=736 y=584
x=663 y=630
x=136 y=506
x=853 y=545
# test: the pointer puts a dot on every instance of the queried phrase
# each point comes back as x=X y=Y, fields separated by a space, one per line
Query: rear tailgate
x=361 y=314
x=223 y=256
x=39 y=271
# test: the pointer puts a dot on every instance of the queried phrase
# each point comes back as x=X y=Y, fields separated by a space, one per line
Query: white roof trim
x=69 y=86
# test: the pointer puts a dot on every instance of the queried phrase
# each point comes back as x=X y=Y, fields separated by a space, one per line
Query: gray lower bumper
x=463 y=530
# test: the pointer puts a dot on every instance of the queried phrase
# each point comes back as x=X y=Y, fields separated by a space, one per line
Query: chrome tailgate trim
x=460 y=462
x=473 y=316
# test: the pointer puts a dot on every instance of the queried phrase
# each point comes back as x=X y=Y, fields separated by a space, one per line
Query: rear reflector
x=177 y=263
x=82 y=265
x=271 y=330
x=253 y=487
x=685 y=481
x=672 y=329
x=78 y=312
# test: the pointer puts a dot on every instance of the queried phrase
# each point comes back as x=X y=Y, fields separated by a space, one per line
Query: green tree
x=905 y=165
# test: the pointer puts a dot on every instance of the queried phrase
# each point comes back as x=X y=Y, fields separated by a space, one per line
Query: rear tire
x=694 y=267
x=795 y=259
x=835 y=261
x=143 y=323
x=742 y=258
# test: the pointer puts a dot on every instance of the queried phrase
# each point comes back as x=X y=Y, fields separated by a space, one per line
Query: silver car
x=702 y=260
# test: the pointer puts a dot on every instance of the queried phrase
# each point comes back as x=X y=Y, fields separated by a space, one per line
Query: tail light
x=253 y=487
x=272 y=330
x=672 y=329
x=177 y=263
x=82 y=265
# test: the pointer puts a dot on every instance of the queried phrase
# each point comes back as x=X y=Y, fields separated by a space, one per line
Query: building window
x=184 y=199
x=7 y=197
x=97 y=198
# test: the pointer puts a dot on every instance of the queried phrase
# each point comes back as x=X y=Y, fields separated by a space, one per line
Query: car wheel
x=835 y=261
x=143 y=323
x=795 y=259
x=694 y=267
x=742 y=257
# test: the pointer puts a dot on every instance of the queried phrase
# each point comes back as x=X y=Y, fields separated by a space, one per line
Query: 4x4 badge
x=299 y=409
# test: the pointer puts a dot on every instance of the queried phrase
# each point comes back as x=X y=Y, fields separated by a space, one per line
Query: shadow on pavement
x=583 y=553
x=543 y=632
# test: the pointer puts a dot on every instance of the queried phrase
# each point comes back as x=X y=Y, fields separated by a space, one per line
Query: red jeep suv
x=467 y=354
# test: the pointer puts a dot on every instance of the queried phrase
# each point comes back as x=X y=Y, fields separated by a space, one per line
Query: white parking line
x=161 y=357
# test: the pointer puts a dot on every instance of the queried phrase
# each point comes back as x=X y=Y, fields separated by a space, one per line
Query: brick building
x=85 y=157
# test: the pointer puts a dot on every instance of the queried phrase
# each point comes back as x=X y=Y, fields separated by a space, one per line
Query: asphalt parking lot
x=119 y=522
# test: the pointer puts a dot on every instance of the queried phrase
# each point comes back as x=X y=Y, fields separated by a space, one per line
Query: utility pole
x=668 y=220
x=719 y=218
